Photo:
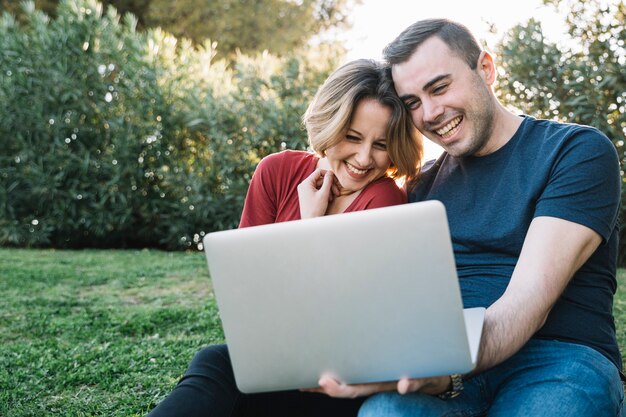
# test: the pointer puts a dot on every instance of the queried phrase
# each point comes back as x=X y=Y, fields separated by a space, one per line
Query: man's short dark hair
x=458 y=38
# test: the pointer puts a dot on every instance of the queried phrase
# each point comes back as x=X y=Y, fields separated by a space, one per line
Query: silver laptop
x=365 y=296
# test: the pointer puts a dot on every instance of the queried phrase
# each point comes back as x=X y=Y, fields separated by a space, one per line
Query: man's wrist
x=456 y=386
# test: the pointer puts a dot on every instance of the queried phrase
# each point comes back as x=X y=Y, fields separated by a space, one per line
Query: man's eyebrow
x=435 y=81
x=428 y=85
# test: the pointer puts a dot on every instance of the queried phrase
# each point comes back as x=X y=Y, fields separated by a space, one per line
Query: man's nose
x=431 y=111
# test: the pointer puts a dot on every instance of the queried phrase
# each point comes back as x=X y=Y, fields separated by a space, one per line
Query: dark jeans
x=208 y=389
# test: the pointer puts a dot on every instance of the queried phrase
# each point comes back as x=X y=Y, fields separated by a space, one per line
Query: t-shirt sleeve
x=260 y=204
x=382 y=193
x=584 y=185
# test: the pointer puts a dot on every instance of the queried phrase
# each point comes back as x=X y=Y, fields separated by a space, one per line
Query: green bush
x=111 y=137
x=582 y=81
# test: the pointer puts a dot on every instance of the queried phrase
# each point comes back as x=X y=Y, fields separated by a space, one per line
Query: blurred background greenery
x=245 y=25
x=115 y=137
x=139 y=123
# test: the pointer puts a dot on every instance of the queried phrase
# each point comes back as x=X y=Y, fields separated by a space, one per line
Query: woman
x=363 y=140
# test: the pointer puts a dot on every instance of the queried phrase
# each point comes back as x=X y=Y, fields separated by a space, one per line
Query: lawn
x=94 y=332
x=87 y=333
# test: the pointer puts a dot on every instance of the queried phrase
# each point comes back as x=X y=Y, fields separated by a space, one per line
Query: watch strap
x=457 y=387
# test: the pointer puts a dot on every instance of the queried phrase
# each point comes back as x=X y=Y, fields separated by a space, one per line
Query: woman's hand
x=334 y=388
x=316 y=192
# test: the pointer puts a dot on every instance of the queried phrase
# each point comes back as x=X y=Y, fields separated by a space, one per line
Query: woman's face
x=361 y=156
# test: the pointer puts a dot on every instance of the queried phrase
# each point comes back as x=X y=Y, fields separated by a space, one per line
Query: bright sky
x=375 y=23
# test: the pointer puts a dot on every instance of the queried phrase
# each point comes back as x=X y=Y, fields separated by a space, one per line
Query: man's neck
x=505 y=124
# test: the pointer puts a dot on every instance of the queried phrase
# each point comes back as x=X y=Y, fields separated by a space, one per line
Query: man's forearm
x=553 y=251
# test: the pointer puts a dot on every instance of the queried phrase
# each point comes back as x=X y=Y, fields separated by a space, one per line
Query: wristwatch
x=457 y=387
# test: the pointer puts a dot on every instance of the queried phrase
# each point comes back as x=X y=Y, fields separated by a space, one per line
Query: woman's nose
x=364 y=155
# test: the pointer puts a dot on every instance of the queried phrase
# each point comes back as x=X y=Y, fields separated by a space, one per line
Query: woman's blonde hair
x=329 y=115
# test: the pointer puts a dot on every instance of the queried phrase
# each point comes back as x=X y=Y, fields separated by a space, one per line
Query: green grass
x=86 y=333
x=95 y=333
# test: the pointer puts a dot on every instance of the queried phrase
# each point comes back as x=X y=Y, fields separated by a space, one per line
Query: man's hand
x=334 y=388
x=316 y=192
x=432 y=386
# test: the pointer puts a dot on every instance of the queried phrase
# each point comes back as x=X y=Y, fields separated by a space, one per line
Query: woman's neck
x=342 y=202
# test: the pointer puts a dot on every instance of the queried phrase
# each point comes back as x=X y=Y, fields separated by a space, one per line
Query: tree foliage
x=582 y=81
x=279 y=26
x=15 y=7
x=111 y=138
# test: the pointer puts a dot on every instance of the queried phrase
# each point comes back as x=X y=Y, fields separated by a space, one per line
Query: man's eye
x=440 y=89
x=412 y=104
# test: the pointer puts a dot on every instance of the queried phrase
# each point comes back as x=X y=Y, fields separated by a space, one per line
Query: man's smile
x=450 y=128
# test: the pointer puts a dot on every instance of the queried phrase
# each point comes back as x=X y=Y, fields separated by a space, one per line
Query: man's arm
x=554 y=249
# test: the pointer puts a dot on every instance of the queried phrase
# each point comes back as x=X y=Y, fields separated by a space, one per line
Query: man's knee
x=567 y=379
x=377 y=405
x=393 y=404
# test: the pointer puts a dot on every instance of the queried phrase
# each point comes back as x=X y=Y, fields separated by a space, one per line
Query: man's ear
x=486 y=67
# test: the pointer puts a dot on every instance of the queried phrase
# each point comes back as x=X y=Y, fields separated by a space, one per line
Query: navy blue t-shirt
x=546 y=169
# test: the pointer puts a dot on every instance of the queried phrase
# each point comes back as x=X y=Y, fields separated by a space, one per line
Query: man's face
x=450 y=103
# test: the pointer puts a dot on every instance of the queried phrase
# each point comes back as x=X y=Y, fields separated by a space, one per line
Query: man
x=533 y=212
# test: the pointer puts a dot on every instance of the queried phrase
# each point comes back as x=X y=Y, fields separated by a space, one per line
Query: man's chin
x=452 y=148
x=460 y=150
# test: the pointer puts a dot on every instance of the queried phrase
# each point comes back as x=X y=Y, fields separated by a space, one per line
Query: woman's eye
x=352 y=138
x=381 y=145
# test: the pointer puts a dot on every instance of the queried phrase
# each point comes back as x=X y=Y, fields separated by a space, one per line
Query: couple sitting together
x=533 y=213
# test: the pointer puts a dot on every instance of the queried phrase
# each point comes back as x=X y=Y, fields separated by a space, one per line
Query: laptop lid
x=365 y=296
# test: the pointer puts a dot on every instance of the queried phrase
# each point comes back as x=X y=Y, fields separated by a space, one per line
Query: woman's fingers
x=327 y=182
x=315 y=193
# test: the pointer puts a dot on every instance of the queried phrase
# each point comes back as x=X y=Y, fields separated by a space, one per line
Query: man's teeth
x=447 y=128
x=355 y=170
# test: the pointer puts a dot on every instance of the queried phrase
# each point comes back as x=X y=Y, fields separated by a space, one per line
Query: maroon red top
x=273 y=195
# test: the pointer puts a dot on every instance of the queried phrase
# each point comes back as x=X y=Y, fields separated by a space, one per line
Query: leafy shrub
x=114 y=138
x=580 y=82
